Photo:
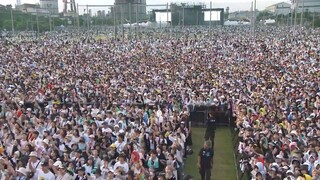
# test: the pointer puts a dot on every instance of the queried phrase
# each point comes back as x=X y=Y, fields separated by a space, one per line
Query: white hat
x=294 y=132
x=121 y=131
x=22 y=170
x=17 y=153
x=289 y=171
x=46 y=141
x=57 y=163
x=34 y=154
x=28 y=109
x=116 y=126
x=108 y=130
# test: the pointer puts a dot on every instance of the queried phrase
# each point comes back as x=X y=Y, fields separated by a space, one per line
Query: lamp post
x=88 y=18
x=38 y=28
x=210 y=18
x=183 y=14
x=295 y=14
x=48 y=7
x=302 y=13
x=12 y=24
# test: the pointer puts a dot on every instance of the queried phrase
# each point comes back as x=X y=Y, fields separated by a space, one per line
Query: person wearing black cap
x=45 y=173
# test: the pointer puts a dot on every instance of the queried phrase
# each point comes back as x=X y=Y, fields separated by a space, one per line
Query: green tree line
x=29 y=22
x=309 y=19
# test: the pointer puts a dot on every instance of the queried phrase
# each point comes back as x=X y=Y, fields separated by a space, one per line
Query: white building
x=50 y=5
x=18 y=3
x=281 y=8
x=306 y=5
x=33 y=9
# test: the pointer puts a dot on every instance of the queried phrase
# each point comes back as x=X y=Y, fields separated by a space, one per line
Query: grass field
x=223 y=166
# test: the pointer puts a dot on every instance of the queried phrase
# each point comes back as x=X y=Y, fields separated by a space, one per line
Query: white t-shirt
x=124 y=166
x=45 y=176
x=120 y=146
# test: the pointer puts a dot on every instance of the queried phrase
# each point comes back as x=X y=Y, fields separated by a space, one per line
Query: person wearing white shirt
x=45 y=173
x=95 y=111
x=120 y=144
x=121 y=166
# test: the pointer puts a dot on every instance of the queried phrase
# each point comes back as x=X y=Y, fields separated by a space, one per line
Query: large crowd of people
x=76 y=108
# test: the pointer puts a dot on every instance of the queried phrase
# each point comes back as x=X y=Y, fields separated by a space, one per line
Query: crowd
x=76 y=108
x=277 y=107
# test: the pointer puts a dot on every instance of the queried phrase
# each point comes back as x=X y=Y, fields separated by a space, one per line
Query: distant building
x=34 y=9
x=306 y=5
x=126 y=10
x=18 y=3
x=50 y=5
x=281 y=8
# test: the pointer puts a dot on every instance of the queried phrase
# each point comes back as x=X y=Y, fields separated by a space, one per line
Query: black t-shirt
x=206 y=156
x=171 y=178
x=211 y=124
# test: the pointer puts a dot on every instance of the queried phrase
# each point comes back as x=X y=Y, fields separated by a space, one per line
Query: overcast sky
x=234 y=5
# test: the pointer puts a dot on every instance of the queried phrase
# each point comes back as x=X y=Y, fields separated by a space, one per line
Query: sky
x=234 y=5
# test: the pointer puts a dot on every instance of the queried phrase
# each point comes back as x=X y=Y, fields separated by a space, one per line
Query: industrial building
x=73 y=9
x=50 y=5
x=33 y=9
x=281 y=8
x=126 y=11
x=306 y=6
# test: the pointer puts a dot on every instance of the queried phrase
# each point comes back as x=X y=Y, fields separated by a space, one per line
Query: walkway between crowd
x=223 y=164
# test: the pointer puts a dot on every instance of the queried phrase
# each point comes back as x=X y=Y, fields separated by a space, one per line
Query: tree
x=264 y=15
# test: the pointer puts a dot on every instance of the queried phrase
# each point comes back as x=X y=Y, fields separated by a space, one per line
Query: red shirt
x=135 y=157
